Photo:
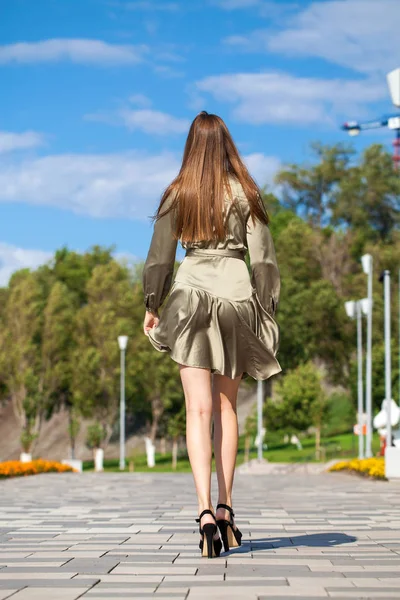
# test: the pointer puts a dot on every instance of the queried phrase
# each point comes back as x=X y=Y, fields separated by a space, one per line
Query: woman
x=218 y=319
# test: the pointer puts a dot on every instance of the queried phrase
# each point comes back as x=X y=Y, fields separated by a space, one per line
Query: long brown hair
x=199 y=190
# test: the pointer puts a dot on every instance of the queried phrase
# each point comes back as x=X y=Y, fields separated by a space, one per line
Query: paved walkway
x=111 y=536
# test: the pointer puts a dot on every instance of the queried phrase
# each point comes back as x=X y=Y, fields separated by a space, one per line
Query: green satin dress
x=217 y=315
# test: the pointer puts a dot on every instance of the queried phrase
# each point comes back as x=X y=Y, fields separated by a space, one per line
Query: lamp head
x=122 y=341
x=393 y=79
x=350 y=307
x=366 y=261
x=365 y=305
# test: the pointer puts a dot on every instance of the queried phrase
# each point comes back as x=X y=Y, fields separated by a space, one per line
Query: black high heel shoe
x=208 y=545
x=232 y=538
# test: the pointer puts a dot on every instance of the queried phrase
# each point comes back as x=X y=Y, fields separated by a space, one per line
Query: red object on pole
x=396 y=146
x=383 y=445
x=356 y=429
x=396 y=152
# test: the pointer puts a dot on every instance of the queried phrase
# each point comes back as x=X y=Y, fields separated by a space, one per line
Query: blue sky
x=97 y=97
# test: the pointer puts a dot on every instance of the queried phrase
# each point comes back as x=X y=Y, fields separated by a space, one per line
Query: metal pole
x=388 y=369
x=368 y=449
x=360 y=382
x=259 y=420
x=122 y=414
x=398 y=375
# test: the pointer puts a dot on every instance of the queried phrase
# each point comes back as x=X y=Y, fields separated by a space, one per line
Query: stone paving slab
x=111 y=535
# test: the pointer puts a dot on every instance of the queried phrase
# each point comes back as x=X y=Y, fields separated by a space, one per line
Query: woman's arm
x=265 y=277
x=159 y=266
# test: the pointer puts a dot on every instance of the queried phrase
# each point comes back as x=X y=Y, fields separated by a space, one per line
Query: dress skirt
x=214 y=319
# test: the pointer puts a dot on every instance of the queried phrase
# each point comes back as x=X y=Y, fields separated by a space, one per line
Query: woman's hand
x=150 y=321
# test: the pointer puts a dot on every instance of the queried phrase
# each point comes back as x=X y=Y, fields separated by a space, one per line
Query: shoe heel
x=209 y=531
x=234 y=537
x=223 y=528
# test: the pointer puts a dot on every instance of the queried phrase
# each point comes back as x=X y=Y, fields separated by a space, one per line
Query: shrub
x=340 y=414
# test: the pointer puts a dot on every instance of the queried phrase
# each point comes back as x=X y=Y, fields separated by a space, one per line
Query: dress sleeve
x=265 y=276
x=159 y=266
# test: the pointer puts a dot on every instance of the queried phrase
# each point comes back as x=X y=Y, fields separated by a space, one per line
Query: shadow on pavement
x=314 y=540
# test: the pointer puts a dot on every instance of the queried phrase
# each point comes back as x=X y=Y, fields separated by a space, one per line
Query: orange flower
x=14 y=468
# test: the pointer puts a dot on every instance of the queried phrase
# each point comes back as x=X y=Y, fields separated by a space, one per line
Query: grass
x=338 y=446
x=163 y=464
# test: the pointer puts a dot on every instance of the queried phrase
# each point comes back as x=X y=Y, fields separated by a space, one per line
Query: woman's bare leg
x=196 y=384
x=224 y=395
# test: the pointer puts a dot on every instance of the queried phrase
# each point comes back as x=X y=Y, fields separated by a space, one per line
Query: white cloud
x=83 y=51
x=263 y=168
x=10 y=141
x=282 y=98
x=109 y=185
x=147 y=120
x=140 y=100
x=154 y=121
x=13 y=258
x=125 y=185
x=265 y=8
x=359 y=34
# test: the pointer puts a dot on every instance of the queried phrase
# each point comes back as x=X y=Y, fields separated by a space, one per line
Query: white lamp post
x=260 y=389
x=122 y=342
x=392 y=453
x=355 y=309
x=367 y=268
x=388 y=360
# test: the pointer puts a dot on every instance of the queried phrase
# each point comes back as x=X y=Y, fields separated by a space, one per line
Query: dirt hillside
x=53 y=441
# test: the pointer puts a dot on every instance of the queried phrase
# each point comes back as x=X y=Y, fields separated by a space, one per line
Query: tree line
x=59 y=324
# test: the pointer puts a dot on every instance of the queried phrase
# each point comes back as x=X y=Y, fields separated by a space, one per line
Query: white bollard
x=74 y=463
x=25 y=457
x=98 y=459
x=150 y=452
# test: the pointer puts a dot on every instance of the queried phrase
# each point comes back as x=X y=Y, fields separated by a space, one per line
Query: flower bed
x=371 y=467
x=15 y=468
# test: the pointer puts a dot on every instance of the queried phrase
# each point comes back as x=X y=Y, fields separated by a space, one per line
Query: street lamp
x=366 y=260
x=385 y=278
x=122 y=342
x=393 y=79
x=390 y=121
x=260 y=393
x=355 y=309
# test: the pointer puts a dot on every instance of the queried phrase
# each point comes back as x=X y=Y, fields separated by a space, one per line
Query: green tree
x=20 y=354
x=58 y=344
x=74 y=269
x=176 y=431
x=309 y=191
x=301 y=404
x=96 y=358
x=250 y=431
x=368 y=198
x=340 y=415
x=311 y=314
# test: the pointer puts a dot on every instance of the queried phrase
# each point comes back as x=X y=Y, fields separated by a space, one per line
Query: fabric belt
x=223 y=252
